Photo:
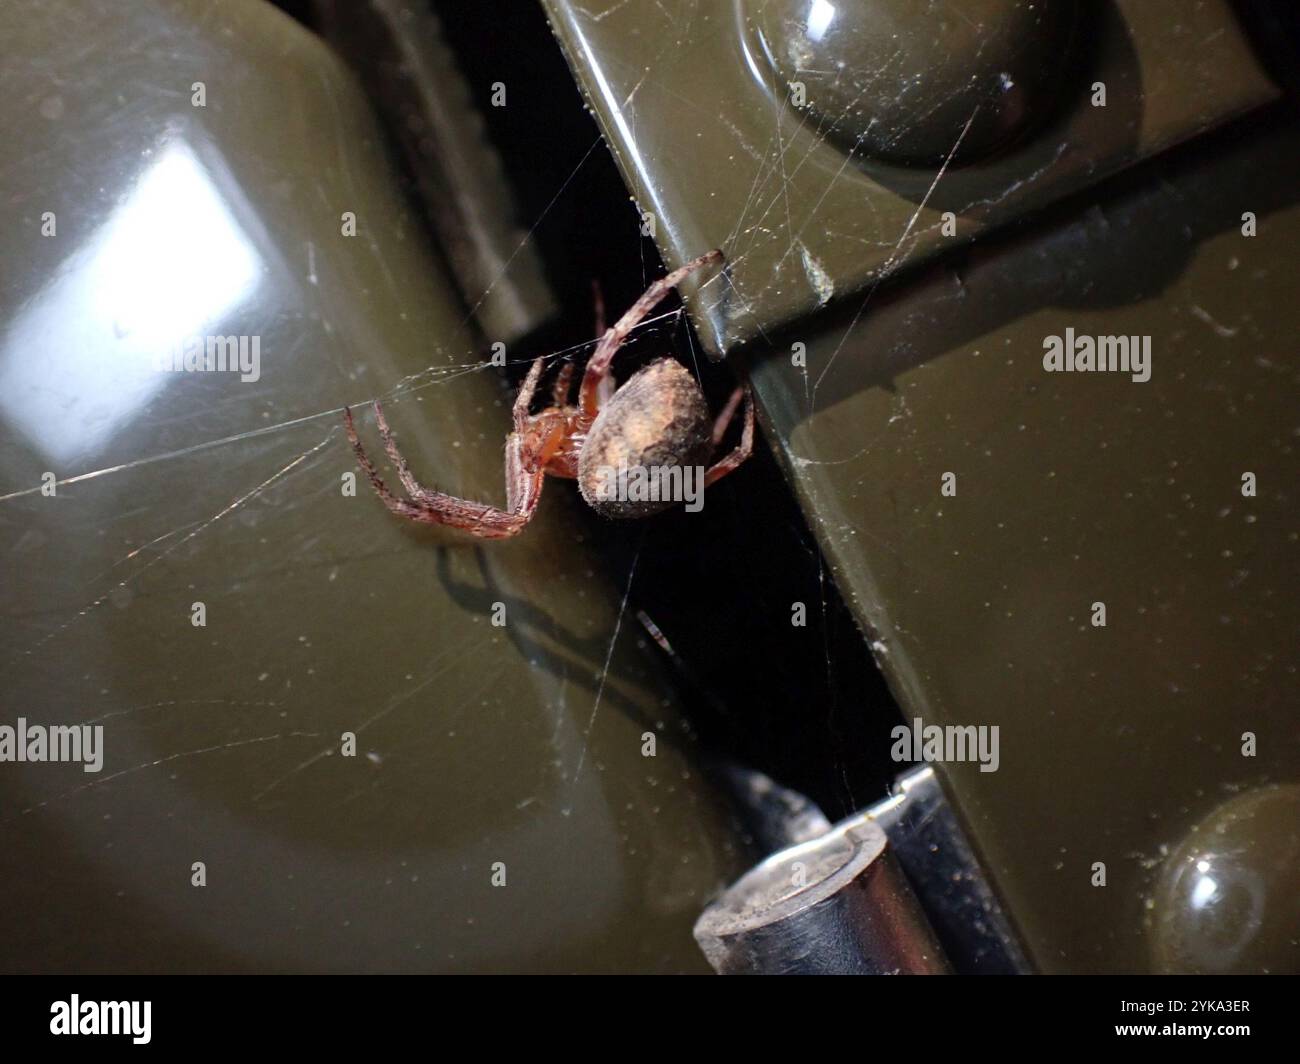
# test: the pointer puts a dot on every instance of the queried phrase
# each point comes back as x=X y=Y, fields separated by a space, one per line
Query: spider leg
x=598 y=366
x=745 y=448
x=598 y=304
x=523 y=489
x=563 y=380
x=560 y=389
x=728 y=412
x=525 y=397
x=396 y=505
x=395 y=456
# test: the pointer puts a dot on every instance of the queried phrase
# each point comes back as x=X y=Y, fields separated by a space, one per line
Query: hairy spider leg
x=523 y=474
x=524 y=399
x=560 y=389
x=597 y=386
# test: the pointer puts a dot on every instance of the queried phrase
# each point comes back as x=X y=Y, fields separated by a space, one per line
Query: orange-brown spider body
x=657 y=421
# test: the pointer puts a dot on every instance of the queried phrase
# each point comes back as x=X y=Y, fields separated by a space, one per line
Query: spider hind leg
x=744 y=448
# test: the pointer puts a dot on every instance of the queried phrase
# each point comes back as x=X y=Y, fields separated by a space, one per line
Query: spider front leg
x=395 y=456
x=427 y=506
x=596 y=385
x=398 y=506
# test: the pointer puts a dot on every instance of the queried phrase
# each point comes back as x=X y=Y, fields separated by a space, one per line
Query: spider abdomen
x=654 y=432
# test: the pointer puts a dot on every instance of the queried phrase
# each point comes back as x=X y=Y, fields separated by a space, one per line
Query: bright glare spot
x=820 y=16
x=1203 y=892
x=81 y=360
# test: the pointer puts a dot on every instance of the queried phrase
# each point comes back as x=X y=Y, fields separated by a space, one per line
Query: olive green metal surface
x=499 y=812
x=1123 y=747
x=813 y=202
x=1072 y=490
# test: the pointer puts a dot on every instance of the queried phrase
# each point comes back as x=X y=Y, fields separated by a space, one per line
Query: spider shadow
x=563 y=653
x=746 y=793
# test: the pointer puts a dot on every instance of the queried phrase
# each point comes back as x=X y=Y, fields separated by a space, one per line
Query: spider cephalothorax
x=657 y=425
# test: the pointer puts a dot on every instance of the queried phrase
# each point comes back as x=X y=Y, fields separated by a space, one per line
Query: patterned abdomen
x=658 y=421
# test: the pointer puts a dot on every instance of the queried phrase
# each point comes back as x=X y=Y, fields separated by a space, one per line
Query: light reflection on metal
x=820 y=16
x=82 y=359
x=896 y=888
x=943 y=870
x=835 y=905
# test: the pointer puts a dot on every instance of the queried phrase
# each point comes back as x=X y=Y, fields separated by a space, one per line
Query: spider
x=657 y=420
